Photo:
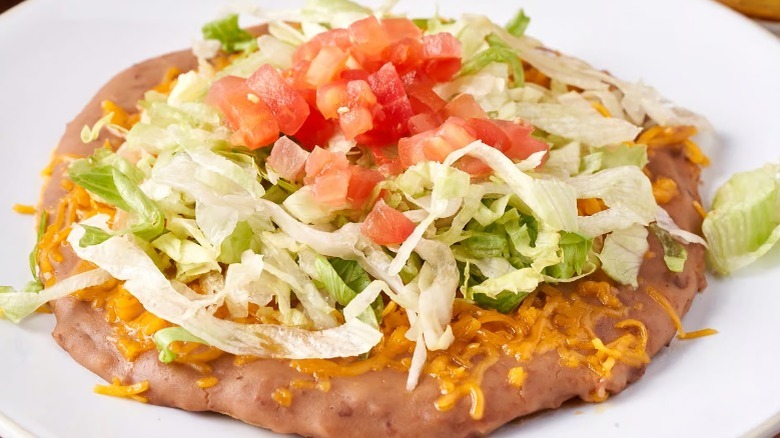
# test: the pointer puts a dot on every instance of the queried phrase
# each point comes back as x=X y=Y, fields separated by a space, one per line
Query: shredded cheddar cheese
x=24 y=209
x=590 y=206
x=168 y=80
x=601 y=109
x=206 y=382
x=694 y=154
x=700 y=209
x=116 y=389
x=662 y=301
x=120 y=117
x=664 y=190
x=658 y=136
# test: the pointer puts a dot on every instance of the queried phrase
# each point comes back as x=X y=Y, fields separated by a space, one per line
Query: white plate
x=55 y=54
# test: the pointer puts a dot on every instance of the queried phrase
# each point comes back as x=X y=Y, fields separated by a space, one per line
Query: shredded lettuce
x=17 y=305
x=578 y=123
x=627 y=192
x=553 y=202
x=744 y=222
x=575 y=250
x=125 y=261
x=623 y=252
x=227 y=31
x=345 y=280
x=504 y=302
x=89 y=135
x=614 y=156
x=518 y=24
x=164 y=337
x=497 y=51
x=36 y=284
x=674 y=252
x=116 y=188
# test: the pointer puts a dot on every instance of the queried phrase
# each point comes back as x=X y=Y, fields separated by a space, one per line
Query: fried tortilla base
x=354 y=406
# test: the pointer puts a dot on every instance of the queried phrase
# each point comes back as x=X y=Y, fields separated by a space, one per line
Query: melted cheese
x=282 y=396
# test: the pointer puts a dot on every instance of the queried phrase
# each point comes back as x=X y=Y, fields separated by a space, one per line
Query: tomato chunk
x=442 y=53
x=253 y=122
x=332 y=188
x=315 y=131
x=287 y=159
x=326 y=66
x=390 y=94
x=410 y=149
x=464 y=106
x=386 y=225
x=331 y=97
x=332 y=38
x=489 y=133
x=355 y=122
x=368 y=36
x=322 y=161
x=406 y=54
x=401 y=28
x=288 y=105
x=423 y=122
x=361 y=184
x=423 y=98
x=521 y=144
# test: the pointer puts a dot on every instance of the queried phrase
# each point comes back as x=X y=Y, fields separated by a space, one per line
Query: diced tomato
x=436 y=148
x=332 y=188
x=386 y=165
x=354 y=75
x=288 y=106
x=296 y=76
x=401 y=28
x=306 y=51
x=489 y=133
x=331 y=97
x=521 y=145
x=410 y=149
x=322 y=161
x=368 y=36
x=332 y=38
x=315 y=131
x=287 y=159
x=253 y=122
x=338 y=37
x=386 y=225
x=423 y=122
x=360 y=94
x=423 y=98
x=442 y=53
x=406 y=54
x=464 y=106
x=361 y=184
x=390 y=94
x=326 y=66
x=473 y=166
x=456 y=132
x=355 y=122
